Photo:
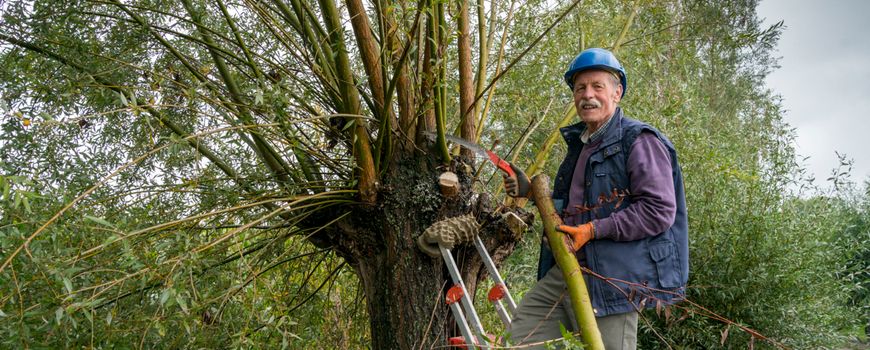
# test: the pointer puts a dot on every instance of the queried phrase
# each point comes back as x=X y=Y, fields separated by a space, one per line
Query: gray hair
x=615 y=78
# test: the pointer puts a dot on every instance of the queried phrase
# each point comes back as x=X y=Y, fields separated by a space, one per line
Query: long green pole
x=559 y=243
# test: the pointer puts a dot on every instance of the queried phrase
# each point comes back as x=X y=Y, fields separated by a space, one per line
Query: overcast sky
x=825 y=79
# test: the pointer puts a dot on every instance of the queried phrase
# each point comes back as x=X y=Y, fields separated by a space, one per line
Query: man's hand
x=517 y=186
x=579 y=234
x=510 y=185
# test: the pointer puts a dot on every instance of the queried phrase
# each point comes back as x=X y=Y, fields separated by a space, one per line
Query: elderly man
x=620 y=194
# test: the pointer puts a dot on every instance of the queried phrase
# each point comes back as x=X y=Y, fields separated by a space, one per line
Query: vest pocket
x=666 y=264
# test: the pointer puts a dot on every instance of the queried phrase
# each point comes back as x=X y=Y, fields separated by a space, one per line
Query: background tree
x=255 y=173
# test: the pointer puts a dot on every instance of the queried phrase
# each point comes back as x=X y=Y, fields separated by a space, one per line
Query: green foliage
x=761 y=255
x=176 y=251
x=854 y=242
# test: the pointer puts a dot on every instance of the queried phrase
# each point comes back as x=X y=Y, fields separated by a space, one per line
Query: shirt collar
x=587 y=138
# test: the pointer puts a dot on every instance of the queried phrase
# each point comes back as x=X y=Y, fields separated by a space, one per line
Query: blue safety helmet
x=595 y=58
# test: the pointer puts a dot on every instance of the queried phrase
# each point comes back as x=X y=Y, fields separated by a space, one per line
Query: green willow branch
x=322 y=65
x=91 y=190
x=106 y=286
x=172 y=50
x=525 y=51
x=328 y=278
x=237 y=35
x=190 y=139
x=370 y=54
x=618 y=43
x=317 y=39
x=439 y=93
x=544 y=152
x=231 y=257
x=162 y=226
x=559 y=243
x=467 y=122
x=351 y=104
x=166 y=30
x=500 y=58
x=400 y=78
x=484 y=39
x=405 y=52
x=250 y=279
x=524 y=138
x=287 y=207
x=267 y=153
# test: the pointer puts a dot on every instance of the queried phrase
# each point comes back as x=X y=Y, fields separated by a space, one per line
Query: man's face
x=596 y=96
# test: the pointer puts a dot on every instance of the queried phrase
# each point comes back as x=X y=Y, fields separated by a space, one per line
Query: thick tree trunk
x=404 y=287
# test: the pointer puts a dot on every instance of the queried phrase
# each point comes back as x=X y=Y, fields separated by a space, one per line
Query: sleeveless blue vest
x=661 y=262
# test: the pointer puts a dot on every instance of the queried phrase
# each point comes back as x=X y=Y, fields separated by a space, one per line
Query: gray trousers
x=547 y=305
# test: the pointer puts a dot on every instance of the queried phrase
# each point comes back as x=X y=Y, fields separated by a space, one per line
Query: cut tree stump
x=449 y=183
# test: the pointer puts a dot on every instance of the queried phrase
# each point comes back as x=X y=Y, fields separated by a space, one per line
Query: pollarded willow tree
x=216 y=173
x=155 y=144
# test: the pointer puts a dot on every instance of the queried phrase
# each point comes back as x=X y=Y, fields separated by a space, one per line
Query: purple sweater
x=653 y=206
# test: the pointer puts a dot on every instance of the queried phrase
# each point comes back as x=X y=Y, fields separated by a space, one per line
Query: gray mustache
x=590 y=103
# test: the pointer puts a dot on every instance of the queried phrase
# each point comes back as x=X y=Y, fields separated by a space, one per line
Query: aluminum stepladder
x=472 y=331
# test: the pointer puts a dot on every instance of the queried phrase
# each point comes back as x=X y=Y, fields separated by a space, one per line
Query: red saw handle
x=501 y=164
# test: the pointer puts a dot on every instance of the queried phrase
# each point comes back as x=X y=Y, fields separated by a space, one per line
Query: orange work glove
x=579 y=234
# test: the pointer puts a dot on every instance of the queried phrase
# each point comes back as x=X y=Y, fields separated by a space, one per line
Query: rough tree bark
x=404 y=287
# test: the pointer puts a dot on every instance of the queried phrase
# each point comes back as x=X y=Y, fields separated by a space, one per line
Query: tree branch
x=466 y=81
x=526 y=50
x=351 y=104
x=268 y=154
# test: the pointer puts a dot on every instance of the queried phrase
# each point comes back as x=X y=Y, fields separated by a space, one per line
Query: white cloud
x=825 y=80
